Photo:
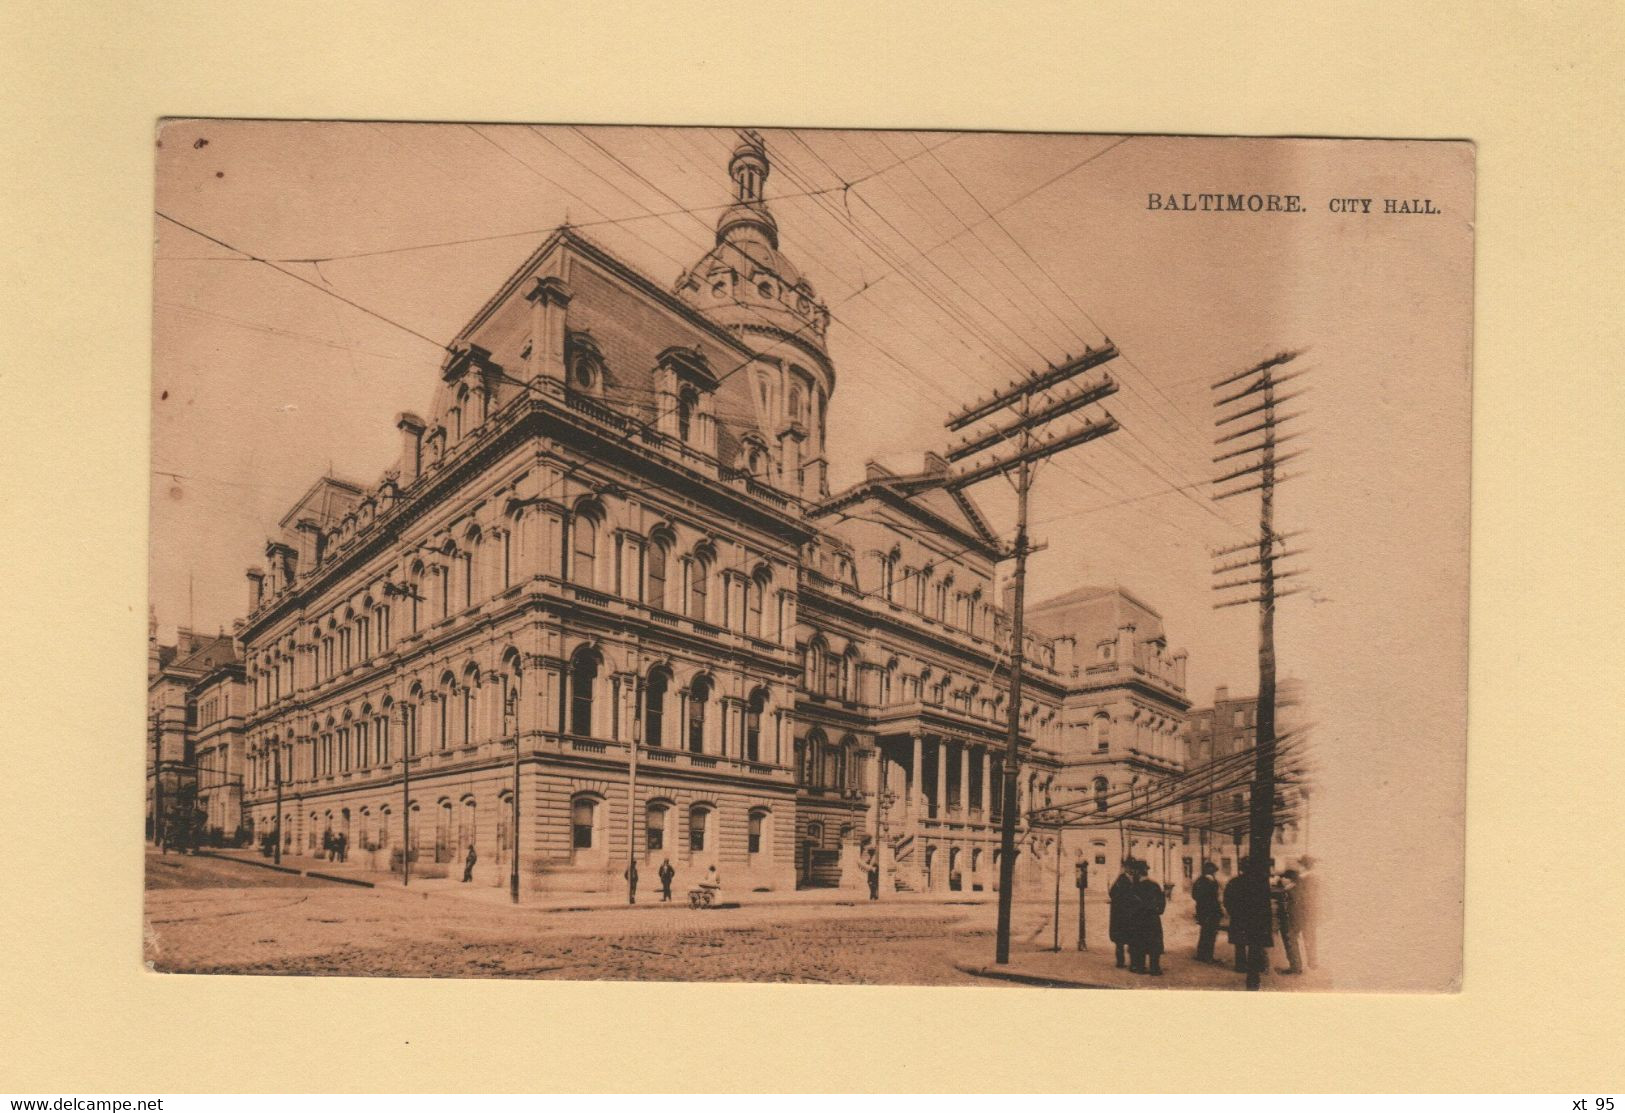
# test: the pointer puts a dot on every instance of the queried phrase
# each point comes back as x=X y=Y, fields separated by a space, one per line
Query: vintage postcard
x=856 y=557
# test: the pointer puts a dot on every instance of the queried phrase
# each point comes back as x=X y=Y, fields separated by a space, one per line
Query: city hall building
x=609 y=558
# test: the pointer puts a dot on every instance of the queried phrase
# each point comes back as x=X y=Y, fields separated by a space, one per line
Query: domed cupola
x=745 y=282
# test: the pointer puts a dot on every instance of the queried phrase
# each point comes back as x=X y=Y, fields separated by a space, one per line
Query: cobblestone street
x=207 y=915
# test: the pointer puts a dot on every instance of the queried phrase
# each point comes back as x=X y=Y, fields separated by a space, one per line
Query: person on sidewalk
x=1306 y=904
x=1286 y=901
x=712 y=882
x=1247 y=903
x=1209 y=912
x=1122 y=895
x=1145 y=927
x=631 y=876
x=343 y=841
x=468 y=863
x=665 y=873
x=874 y=881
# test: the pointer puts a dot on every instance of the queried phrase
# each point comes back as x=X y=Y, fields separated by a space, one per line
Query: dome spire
x=748 y=217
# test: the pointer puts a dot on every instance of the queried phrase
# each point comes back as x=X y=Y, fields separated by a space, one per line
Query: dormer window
x=584 y=373
x=765 y=289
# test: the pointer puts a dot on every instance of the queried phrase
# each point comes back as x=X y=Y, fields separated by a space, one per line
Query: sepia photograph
x=851 y=557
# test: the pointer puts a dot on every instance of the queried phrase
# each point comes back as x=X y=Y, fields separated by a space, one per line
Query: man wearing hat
x=1145 y=926
x=1122 y=897
x=1247 y=903
x=1205 y=892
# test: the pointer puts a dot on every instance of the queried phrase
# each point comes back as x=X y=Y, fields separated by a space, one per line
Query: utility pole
x=1032 y=416
x=1083 y=891
x=276 y=763
x=1060 y=833
x=158 y=782
x=408 y=744
x=511 y=709
x=1258 y=400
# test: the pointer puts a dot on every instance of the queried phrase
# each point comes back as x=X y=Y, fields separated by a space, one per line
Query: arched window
x=1103 y=731
x=699 y=828
x=472 y=567
x=755 y=592
x=753 y=724
x=795 y=404
x=699 y=698
x=699 y=573
x=583 y=677
x=888 y=575
x=467 y=705
x=584 y=547
x=583 y=824
x=849 y=674
x=656 y=817
x=654 y=707
x=657 y=573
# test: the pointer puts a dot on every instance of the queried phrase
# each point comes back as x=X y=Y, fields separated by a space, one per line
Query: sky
x=951 y=262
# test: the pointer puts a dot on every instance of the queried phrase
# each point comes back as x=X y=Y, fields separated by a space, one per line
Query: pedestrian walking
x=468 y=863
x=1286 y=901
x=874 y=880
x=631 y=876
x=1209 y=912
x=1145 y=925
x=1307 y=906
x=1247 y=903
x=1121 y=895
x=665 y=873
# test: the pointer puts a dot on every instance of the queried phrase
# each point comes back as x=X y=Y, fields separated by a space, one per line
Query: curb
x=996 y=974
x=341 y=880
x=247 y=862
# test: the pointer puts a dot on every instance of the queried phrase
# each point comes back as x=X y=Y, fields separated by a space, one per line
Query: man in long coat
x=1247 y=903
x=1205 y=892
x=1145 y=924
x=1307 y=905
x=1122 y=898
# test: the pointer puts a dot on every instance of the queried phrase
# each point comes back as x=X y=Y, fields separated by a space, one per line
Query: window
x=753 y=725
x=654 y=708
x=755 y=589
x=583 y=675
x=657 y=574
x=699 y=574
x=699 y=696
x=584 y=548
x=699 y=822
x=654 y=825
x=754 y=845
x=582 y=814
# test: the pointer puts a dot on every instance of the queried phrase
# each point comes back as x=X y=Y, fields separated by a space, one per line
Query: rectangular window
x=656 y=837
x=581 y=824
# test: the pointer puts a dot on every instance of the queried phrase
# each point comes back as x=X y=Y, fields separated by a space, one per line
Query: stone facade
x=609 y=553
x=198 y=678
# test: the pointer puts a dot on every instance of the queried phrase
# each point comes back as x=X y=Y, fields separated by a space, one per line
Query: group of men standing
x=1249 y=900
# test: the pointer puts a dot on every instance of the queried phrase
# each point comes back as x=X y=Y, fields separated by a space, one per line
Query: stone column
x=964 y=782
x=915 y=785
x=987 y=785
x=548 y=301
x=942 y=779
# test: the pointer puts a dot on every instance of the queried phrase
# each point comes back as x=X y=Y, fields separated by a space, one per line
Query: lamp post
x=510 y=710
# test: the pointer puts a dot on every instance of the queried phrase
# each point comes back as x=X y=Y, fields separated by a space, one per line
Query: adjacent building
x=1122 y=726
x=196 y=701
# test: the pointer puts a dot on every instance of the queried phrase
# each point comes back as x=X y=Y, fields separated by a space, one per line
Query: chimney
x=256 y=587
x=411 y=427
x=313 y=542
x=1221 y=694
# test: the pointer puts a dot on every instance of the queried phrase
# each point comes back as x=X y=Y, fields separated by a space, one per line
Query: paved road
x=210 y=916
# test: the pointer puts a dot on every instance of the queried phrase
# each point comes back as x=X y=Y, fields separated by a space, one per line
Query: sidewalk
x=481 y=890
x=1036 y=964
